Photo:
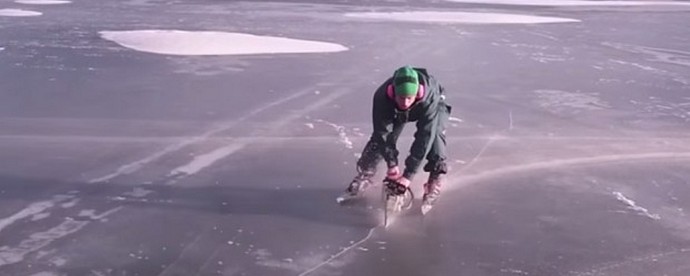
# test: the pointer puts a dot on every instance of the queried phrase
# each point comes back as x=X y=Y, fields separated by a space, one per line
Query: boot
x=432 y=190
x=360 y=183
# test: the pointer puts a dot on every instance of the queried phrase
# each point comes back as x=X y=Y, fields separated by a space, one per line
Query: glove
x=393 y=173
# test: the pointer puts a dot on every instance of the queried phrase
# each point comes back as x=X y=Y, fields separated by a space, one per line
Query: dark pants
x=436 y=157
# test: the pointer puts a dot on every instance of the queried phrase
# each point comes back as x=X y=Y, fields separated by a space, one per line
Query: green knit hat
x=406 y=81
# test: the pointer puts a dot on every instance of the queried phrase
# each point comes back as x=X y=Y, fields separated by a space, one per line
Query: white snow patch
x=513 y=271
x=45 y=273
x=31 y=210
x=661 y=108
x=58 y=261
x=561 y=101
x=40 y=216
x=672 y=56
x=12 y=255
x=17 y=13
x=631 y=205
x=139 y=256
x=640 y=66
x=70 y=204
x=341 y=133
x=43 y=253
x=118 y=198
x=43 y=2
x=460 y=17
x=680 y=78
x=138 y=192
x=454 y=119
x=309 y=125
x=202 y=161
x=547 y=58
x=90 y=213
x=264 y=258
x=177 y=42
x=557 y=3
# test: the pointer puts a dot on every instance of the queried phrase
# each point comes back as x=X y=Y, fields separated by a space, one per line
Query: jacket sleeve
x=385 y=134
x=426 y=131
x=391 y=150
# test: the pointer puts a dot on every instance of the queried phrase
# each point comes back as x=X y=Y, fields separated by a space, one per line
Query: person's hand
x=403 y=181
x=393 y=173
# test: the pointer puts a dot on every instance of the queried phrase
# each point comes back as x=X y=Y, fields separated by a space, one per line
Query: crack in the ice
x=346 y=249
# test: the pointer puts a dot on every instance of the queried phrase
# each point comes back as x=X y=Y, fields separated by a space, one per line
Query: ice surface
x=460 y=17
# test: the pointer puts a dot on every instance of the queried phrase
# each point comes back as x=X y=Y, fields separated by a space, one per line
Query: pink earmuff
x=391 y=93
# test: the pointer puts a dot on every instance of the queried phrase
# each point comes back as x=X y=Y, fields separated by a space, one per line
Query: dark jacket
x=389 y=122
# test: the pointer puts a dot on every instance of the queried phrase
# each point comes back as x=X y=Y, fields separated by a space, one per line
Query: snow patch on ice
x=43 y=2
x=357 y=132
x=265 y=258
x=45 y=273
x=513 y=271
x=460 y=17
x=659 y=108
x=177 y=42
x=563 y=101
x=202 y=161
x=660 y=72
x=91 y=214
x=547 y=58
x=139 y=255
x=40 y=216
x=32 y=210
x=557 y=3
x=640 y=66
x=17 y=13
x=138 y=192
x=671 y=56
x=58 y=261
x=631 y=205
x=70 y=204
x=342 y=134
x=12 y=255
x=455 y=119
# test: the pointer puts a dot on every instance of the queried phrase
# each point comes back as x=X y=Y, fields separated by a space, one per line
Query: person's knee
x=436 y=167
